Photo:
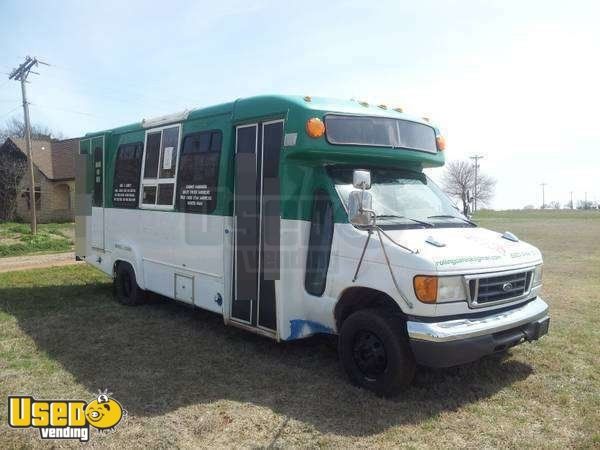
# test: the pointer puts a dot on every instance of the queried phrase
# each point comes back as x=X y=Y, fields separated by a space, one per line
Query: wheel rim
x=369 y=354
x=126 y=285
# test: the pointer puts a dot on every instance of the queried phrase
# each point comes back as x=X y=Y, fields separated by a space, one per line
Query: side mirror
x=360 y=202
x=360 y=210
x=361 y=179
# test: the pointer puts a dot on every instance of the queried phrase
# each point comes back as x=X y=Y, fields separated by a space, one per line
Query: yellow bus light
x=426 y=288
x=441 y=143
x=315 y=127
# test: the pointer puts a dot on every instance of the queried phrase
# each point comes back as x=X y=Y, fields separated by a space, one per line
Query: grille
x=499 y=288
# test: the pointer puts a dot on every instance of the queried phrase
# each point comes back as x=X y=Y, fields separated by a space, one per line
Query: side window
x=199 y=172
x=126 y=184
x=319 y=244
x=160 y=166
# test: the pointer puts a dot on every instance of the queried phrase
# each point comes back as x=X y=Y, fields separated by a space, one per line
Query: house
x=54 y=175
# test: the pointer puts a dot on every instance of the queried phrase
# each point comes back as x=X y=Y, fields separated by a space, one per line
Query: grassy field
x=187 y=381
x=16 y=238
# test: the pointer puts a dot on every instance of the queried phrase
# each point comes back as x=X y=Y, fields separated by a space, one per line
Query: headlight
x=432 y=289
x=537 y=275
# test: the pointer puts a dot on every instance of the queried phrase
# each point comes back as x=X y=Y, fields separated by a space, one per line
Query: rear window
x=379 y=131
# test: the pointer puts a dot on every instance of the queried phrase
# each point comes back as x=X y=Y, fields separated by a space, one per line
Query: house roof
x=55 y=159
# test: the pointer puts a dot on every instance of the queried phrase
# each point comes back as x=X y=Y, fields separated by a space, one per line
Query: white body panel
x=97 y=228
x=467 y=251
x=160 y=245
x=173 y=253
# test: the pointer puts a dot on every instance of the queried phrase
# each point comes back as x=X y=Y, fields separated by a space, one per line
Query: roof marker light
x=400 y=110
x=315 y=127
x=426 y=119
x=365 y=104
x=382 y=106
x=308 y=98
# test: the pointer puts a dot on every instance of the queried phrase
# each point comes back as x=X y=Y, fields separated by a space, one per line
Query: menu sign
x=194 y=197
x=125 y=195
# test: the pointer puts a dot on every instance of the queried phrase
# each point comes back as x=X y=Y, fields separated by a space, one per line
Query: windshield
x=402 y=198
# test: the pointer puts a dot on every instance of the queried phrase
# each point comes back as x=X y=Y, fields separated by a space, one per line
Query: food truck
x=292 y=216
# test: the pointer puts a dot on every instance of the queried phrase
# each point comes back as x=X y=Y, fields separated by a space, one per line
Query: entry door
x=97 y=238
x=256 y=223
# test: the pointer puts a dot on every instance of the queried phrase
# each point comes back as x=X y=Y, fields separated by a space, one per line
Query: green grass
x=527 y=214
x=16 y=238
x=188 y=381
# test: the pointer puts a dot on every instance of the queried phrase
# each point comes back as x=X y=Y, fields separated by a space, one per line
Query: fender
x=128 y=252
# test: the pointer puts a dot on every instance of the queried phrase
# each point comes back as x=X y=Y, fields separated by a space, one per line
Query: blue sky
x=516 y=81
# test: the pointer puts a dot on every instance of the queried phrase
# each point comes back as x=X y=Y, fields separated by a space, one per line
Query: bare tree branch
x=16 y=128
x=459 y=180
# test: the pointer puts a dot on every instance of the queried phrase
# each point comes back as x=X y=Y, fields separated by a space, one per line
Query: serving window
x=199 y=172
x=160 y=167
x=126 y=183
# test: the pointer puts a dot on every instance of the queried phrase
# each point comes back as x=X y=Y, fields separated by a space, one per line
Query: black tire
x=375 y=353
x=127 y=290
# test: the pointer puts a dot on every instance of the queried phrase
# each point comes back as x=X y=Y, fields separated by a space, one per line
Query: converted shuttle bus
x=292 y=216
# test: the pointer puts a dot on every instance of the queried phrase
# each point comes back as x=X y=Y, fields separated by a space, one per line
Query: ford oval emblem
x=507 y=286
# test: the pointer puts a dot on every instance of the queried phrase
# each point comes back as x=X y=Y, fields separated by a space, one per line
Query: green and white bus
x=292 y=216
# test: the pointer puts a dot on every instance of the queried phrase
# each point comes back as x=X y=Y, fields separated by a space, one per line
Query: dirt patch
x=15 y=263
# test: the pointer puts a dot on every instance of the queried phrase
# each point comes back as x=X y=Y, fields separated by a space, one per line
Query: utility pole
x=585 y=203
x=20 y=74
x=476 y=158
x=543 y=185
x=571 y=199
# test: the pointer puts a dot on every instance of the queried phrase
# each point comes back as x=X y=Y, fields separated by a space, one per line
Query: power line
x=85 y=78
x=83 y=113
x=10 y=112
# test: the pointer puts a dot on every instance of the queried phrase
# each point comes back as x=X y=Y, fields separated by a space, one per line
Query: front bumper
x=459 y=341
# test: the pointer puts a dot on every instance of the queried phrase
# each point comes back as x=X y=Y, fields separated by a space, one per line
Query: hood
x=464 y=249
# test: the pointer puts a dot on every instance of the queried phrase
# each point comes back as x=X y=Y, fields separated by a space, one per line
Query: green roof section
x=303 y=159
x=249 y=108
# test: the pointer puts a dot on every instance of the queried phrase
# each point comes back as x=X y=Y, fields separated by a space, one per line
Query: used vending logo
x=65 y=419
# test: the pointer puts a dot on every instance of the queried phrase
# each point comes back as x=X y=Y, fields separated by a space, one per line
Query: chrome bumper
x=458 y=329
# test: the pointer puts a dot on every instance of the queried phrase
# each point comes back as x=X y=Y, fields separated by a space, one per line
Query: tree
x=459 y=181
x=583 y=204
x=16 y=128
x=553 y=205
x=13 y=164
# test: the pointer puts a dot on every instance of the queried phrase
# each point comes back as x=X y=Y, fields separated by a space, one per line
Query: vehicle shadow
x=162 y=356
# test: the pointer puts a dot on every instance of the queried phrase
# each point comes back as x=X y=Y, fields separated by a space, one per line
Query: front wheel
x=375 y=353
x=127 y=290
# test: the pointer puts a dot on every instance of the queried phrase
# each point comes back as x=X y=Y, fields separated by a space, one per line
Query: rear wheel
x=127 y=290
x=375 y=353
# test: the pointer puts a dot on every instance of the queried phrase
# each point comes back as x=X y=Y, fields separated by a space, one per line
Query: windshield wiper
x=448 y=216
x=393 y=216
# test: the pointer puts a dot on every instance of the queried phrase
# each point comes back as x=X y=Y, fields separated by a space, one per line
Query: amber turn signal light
x=315 y=127
x=426 y=288
x=441 y=143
